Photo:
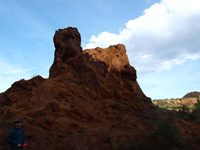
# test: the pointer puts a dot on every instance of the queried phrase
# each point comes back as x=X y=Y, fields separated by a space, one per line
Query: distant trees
x=196 y=110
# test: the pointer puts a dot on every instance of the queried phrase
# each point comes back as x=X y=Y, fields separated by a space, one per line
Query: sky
x=162 y=38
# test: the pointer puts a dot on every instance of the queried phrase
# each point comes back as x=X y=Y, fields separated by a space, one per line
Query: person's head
x=18 y=122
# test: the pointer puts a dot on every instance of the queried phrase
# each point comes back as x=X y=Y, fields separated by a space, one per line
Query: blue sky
x=161 y=37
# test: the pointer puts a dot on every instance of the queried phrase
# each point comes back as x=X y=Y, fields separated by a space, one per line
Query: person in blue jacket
x=16 y=137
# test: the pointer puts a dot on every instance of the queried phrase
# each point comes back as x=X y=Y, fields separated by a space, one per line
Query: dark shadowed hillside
x=192 y=95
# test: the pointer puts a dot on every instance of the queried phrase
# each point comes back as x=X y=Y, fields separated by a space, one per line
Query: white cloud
x=167 y=34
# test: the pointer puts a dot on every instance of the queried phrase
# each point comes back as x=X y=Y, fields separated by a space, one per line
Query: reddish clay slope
x=90 y=98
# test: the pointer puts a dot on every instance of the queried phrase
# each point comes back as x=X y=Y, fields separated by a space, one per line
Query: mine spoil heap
x=90 y=100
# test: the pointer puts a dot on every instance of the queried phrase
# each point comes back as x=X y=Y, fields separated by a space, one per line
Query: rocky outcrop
x=192 y=95
x=116 y=59
x=91 y=100
x=68 y=44
x=89 y=97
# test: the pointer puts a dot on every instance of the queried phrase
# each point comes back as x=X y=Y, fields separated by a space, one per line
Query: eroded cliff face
x=97 y=69
x=90 y=97
x=90 y=100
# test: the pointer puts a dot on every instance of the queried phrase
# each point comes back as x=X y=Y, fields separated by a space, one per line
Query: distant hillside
x=192 y=95
x=187 y=101
x=176 y=104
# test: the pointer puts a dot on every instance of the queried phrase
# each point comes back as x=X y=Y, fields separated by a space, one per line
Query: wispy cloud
x=18 y=71
x=10 y=73
x=7 y=80
x=9 y=68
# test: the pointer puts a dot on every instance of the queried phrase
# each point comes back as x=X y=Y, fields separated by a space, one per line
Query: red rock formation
x=91 y=100
x=67 y=44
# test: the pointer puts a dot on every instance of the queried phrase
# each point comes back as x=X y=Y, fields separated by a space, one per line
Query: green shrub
x=196 y=112
x=197 y=107
x=185 y=108
x=165 y=135
x=183 y=113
